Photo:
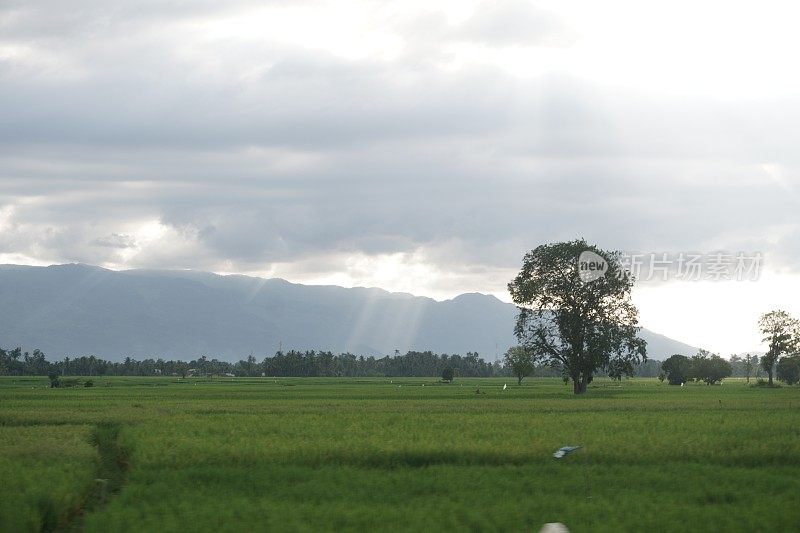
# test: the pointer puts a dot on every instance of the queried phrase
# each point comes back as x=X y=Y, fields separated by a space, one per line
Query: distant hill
x=69 y=310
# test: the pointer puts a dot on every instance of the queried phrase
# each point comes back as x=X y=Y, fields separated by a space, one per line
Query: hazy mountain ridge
x=69 y=310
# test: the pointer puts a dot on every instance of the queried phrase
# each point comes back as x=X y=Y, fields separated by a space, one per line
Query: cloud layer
x=423 y=147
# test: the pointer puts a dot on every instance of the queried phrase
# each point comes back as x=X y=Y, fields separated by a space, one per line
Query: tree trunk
x=579 y=385
x=769 y=373
x=519 y=380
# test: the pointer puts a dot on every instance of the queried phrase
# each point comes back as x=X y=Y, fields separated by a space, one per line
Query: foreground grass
x=327 y=454
x=47 y=473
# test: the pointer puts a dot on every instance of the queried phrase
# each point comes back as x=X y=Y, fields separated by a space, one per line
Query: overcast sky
x=414 y=146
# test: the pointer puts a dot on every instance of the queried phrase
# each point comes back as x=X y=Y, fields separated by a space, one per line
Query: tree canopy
x=582 y=324
x=677 y=368
x=703 y=366
x=710 y=368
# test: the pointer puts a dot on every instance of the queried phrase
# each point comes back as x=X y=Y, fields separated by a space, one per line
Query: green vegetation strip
x=112 y=469
x=53 y=474
x=46 y=472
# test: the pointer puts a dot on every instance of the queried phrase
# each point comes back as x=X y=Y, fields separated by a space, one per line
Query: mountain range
x=74 y=309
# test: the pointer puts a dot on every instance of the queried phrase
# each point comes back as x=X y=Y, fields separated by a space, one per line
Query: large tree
x=577 y=314
x=782 y=335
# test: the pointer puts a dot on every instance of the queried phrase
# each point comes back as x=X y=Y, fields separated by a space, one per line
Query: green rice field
x=328 y=454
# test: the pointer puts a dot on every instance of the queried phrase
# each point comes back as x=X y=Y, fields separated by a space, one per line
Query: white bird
x=564 y=450
x=505 y=386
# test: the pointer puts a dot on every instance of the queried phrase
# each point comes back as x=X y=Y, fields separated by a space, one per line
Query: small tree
x=782 y=335
x=447 y=374
x=676 y=367
x=788 y=369
x=750 y=362
x=520 y=361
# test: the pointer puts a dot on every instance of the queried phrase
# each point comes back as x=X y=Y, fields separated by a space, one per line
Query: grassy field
x=144 y=454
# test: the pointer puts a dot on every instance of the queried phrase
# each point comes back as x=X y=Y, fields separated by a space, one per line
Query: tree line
x=780 y=331
x=293 y=363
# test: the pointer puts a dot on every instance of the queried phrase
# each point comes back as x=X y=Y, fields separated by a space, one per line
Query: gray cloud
x=252 y=154
x=116 y=240
x=513 y=23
